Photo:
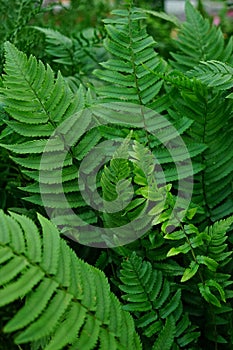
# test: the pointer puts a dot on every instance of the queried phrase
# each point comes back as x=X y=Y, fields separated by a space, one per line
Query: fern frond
x=209 y=256
x=129 y=41
x=49 y=154
x=135 y=75
x=129 y=187
x=214 y=74
x=38 y=104
x=198 y=40
x=67 y=300
x=58 y=45
x=40 y=100
x=149 y=297
x=76 y=56
x=213 y=186
x=216 y=248
x=166 y=336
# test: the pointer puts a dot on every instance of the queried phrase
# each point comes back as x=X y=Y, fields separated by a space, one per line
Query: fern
x=131 y=47
x=67 y=300
x=199 y=41
x=215 y=181
x=39 y=104
x=158 y=310
x=135 y=74
x=214 y=74
x=38 y=107
x=46 y=104
x=53 y=102
x=175 y=276
x=76 y=56
x=132 y=167
x=213 y=188
x=216 y=247
x=210 y=243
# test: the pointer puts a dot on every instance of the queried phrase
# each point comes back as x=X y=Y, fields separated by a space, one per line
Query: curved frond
x=67 y=300
x=38 y=103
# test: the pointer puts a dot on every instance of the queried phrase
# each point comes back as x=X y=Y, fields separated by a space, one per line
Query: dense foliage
x=105 y=113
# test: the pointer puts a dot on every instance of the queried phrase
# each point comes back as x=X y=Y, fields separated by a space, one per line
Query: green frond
x=65 y=299
x=76 y=56
x=142 y=286
x=209 y=253
x=120 y=206
x=214 y=74
x=213 y=185
x=199 y=41
x=129 y=187
x=216 y=246
x=58 y=45
x=148 y=295
x=126 y=79
x=166 y=337
x=38 y=103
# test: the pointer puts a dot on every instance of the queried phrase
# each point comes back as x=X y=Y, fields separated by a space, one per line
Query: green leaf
x=190 y=271
x=165 y=16
x=207 y=295
x=213 y=283
x=172 y=305
x=22 y=286
x=183 y=249
x=166 y=337
x=209 y=262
